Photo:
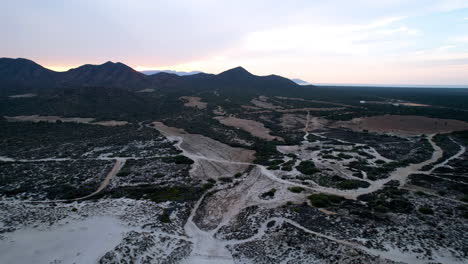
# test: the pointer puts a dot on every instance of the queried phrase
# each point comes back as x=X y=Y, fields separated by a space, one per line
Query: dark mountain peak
x=107 y=66
x=236 y=72
x=110 y=74
x=21 y=64
x=23 y=72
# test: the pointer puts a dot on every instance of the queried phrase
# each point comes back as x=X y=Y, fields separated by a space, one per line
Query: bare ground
x=213 y=159
x=193 y=101
x=255 y=128
x=313 y=101
x=405 y=125
x=298 y=122
x=53 y=119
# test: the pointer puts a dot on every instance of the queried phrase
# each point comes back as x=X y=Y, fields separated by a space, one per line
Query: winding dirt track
x=208 y=249
x=119 y=163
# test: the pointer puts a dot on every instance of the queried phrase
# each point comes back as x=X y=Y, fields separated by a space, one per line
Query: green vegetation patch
x=158 y=194
x=179 y=159
x=269 y=194
x=324 y=200
x=426 y=210
x=307 y=167
x=389 y=199
x=296 y=189
x=352 y=184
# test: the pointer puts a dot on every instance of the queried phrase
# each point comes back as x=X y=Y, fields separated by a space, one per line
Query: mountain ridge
x=26 y=73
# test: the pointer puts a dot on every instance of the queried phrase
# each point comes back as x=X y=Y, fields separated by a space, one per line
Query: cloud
x=461 y=39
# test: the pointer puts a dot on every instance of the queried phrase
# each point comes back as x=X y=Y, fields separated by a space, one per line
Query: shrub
x=426 y=210
x=296 y=189
x=269 y=194
x=225 y=179
x=273 y=167
x=179 y=159
x=208 y=185
x=211 y=181
x=464 y=198
x=123 y=173
x=165 y=217
x=307 y=167
x=324 y=200
x=158 y=175
x=352 y=184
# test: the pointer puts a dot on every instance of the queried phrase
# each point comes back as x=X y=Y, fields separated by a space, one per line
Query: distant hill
x=23 y=73
x=19 y=75
x=179 y=73
x=109 y=74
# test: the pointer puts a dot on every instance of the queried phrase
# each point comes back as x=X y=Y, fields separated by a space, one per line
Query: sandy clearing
x=53 y=119
x=313 y=101
x=220 y=208
x=264 y=104
x=217 y=210
x=298 y=122
x=27 y=95
x=110 y=123
x=250 y=107
x=414 y=104
x=193 y=101
x=148 y=90
x=119 y=163
x=293 y=121
x=404 y=125
x=255 y=128
x=306 y=109
x=74 y=242
x=213 y=159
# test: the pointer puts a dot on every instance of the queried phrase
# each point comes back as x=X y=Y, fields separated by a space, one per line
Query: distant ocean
x=392 y=85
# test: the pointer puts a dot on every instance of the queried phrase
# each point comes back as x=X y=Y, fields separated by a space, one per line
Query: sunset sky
x=320 y=41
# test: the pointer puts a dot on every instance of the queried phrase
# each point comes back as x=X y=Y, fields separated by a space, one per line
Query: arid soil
x=53 y=119
x=255 y=128
x=263 y=104
x=406 y=125
x=298 y=122
x=149 y=90
x=193 y=101
x=213 y=159
x=28 y=95
x=313 y=101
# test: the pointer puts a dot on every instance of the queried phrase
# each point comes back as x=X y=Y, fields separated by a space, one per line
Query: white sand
x=75 y=242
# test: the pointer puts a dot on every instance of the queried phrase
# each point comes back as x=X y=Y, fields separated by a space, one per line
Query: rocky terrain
x=204 y=174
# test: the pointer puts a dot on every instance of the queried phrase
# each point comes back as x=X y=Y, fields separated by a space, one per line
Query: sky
x=319 y=41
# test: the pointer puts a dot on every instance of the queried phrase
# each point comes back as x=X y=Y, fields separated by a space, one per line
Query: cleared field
x=264 y=104
x=407 y=125
x=213 y=159
x=27 y=95
x=313 y=101
x=255 y=128
x=53 y=119
x=193 y=101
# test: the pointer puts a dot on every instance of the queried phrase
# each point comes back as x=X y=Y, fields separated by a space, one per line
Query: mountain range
x=22 y=74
